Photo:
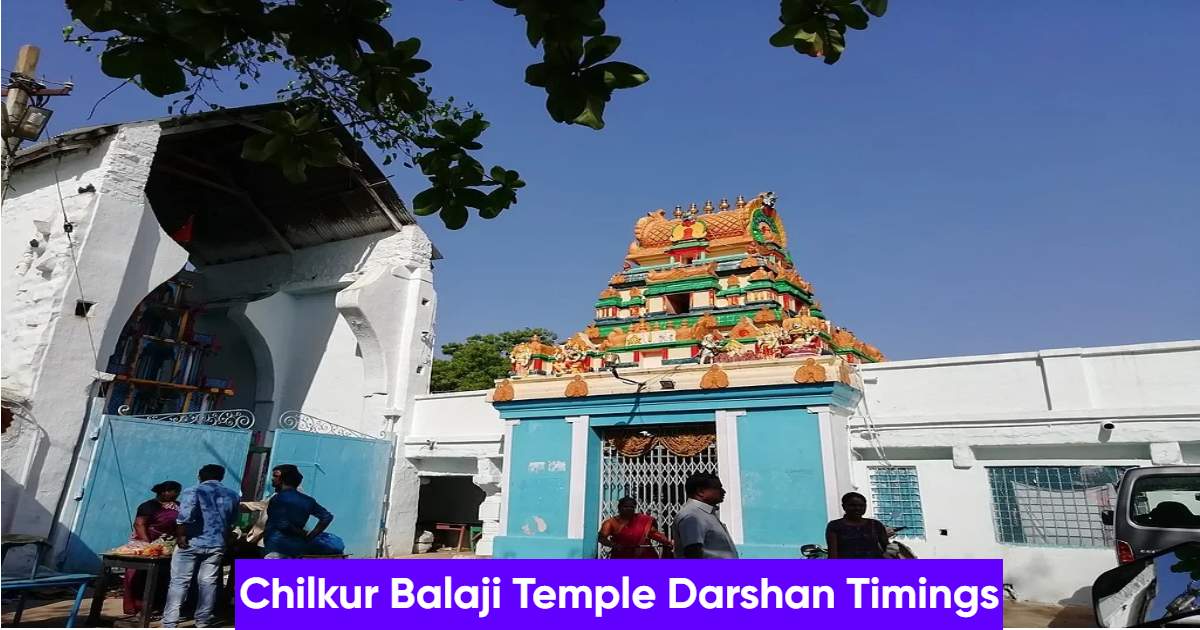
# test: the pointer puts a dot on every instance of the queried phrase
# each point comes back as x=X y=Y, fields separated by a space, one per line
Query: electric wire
x=68 y=228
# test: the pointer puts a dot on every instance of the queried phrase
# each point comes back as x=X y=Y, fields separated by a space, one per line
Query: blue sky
x=971 y=178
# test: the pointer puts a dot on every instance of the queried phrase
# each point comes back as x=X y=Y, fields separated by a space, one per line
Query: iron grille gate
x=655 y=478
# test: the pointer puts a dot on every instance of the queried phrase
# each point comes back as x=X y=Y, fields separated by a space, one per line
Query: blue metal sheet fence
x=133 y=454
x=345 y=474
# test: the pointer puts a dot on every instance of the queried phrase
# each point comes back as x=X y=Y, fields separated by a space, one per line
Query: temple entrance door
x=651 y=464
x=347 y=472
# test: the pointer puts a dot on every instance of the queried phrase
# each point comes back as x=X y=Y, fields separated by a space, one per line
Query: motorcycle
x=1158 y=590
x=895 y=550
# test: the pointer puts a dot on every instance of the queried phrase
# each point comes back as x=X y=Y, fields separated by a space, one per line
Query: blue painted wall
x=131 y=456
x=539 y=491
x=783 y=482
x=779 y=446
x=347 y=476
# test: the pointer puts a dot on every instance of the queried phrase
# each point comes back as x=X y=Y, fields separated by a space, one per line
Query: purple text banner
x=463 y=593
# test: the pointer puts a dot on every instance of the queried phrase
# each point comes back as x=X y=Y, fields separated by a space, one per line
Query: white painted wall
x=1155 y=375
x=958 y=501
x=1028 y=409
x=455 y=414
x=281 y=320
x=32 y=296
x=344 y=330
x=338 y=391
x=955 y=385
x=51 y=357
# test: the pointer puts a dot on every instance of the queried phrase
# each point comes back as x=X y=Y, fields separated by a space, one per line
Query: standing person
x=207 y=512
x=699 y=530
x=155 y=519
x=288 y=513
x=629 y=533
x=854 y=536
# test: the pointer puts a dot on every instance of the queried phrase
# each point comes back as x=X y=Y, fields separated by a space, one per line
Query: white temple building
x=306 y=335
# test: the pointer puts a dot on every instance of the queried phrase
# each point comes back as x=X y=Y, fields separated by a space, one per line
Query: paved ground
x=53 y=612
x=1031 y=615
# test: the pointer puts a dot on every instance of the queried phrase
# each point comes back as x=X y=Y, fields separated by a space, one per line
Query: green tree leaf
x=567 y=102
x=853 y=15
x=454 y=215
x=593 y=114
x=428 y=201
x=785 y=36
x=123 y=61
x=876 y=7
x=255 y=148
x=619 y=75
x=204 y=34
x=161 y=75
x=599 y=48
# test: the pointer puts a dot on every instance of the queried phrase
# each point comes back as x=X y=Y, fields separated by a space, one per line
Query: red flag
x=184 y=233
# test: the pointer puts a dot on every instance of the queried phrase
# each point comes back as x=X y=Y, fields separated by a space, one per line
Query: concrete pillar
x=730 y=472
x=389 y=308
x=835 y=455
x=506 y=452
x=1066 y=379
x=578 y=482
x=489 y=478
x=402 y=510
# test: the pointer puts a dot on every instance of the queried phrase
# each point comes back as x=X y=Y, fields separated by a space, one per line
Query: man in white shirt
x=700 y=534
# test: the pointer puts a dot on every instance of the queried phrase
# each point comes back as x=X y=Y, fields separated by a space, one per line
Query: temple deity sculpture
x=710 y=345
x=520 y=357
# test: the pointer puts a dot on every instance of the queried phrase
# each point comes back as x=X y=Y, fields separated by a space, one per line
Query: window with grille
x=1057 y=506
x=898 y=499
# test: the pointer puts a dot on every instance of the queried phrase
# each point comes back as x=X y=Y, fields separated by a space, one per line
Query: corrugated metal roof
x=242 y=209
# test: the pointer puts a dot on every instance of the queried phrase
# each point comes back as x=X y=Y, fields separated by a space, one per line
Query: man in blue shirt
x=288 y=513
x=207 y=512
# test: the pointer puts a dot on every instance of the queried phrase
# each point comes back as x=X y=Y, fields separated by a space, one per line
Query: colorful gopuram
x=708 y=285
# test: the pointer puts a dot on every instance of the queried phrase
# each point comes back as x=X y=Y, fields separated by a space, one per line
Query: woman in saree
x=155 y=519
x=629 y=533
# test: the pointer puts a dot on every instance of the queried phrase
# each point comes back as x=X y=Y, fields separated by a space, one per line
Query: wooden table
x=461 y=528
x=154 y=568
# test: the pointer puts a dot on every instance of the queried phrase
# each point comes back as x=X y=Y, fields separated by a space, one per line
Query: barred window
x=1056 y=506
x=898 y=499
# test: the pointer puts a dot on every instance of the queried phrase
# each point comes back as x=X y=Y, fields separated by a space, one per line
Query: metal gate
x=132 y=453
x=655 y=478
x=347 y=472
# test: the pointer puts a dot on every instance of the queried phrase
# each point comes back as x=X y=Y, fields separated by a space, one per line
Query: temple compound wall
x=926 y=435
